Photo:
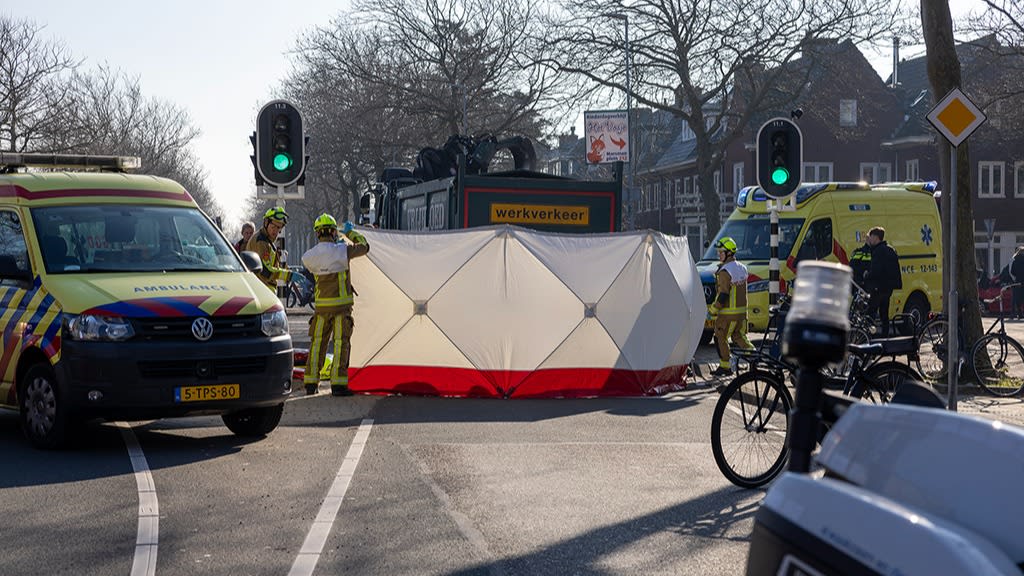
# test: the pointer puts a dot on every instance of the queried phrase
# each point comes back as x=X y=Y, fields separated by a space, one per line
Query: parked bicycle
x=996 y=359
x=300 y=294
x=751 y=419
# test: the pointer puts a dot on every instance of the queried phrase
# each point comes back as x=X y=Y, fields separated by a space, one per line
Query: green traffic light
x=780 y=176
x=282 y=161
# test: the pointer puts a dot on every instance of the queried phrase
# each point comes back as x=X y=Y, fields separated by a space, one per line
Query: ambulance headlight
x=93 y=328
x=274 y=323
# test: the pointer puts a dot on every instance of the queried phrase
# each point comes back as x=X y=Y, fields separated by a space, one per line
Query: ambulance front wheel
x=254 y=421
x=44 y=410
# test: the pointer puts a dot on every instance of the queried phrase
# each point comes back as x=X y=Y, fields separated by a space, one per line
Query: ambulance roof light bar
x=11 y=161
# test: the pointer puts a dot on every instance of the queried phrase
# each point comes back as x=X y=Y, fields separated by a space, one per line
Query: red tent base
x=471 y=383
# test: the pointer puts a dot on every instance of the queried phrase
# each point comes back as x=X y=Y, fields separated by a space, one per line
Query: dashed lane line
x=147 y=535
x=306 y=561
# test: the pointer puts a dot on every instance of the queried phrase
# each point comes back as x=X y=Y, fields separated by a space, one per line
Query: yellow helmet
x=726 y=243
x=324 y=221
x=277 y=214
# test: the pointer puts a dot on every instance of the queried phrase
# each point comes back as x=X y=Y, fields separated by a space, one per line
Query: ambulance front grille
x=181 y=328
x=214 y=368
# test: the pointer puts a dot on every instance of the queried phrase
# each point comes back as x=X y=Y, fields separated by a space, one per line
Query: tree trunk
x=944 y=75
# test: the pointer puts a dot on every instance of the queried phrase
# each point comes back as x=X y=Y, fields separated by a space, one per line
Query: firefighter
x=328 y=261
x=730 y=305
x=264 y=243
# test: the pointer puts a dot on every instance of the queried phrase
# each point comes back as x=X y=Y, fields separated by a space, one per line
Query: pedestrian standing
x=264 y=244
x=730 y=306
x=882 y=278
x=1017 y=272
x=329 y=261
x=248 y=228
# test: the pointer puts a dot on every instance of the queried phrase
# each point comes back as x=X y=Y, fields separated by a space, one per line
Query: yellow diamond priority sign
x=956 y=117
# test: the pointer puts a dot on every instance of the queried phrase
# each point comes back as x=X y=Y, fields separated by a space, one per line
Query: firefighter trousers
x=730 y=327
x=323 y=326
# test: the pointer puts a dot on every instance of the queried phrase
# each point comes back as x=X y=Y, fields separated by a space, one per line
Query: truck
x=451 y=189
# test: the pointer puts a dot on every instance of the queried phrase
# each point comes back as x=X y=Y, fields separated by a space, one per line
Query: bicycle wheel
x=932 y=349
x=749 y=429
x=999 y=364
x=884 y=379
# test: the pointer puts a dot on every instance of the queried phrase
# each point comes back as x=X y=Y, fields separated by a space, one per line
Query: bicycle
x=299 y=294
x=750 y=423
x=997 y=360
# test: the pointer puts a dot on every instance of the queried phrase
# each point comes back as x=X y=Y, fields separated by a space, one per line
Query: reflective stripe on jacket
x=731 y=281
x=328 y=261
x=261 y=244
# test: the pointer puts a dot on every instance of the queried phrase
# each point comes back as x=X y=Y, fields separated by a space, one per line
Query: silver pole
x=629 y=120
x=953 y=310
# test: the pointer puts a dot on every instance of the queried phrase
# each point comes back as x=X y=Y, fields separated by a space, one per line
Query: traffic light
x=280 y=144
x=779 y=157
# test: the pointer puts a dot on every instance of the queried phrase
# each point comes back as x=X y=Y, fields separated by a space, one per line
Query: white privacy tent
x=506 y=311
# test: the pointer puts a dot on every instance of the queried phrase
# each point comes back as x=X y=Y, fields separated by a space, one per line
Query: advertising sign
x=607 y=136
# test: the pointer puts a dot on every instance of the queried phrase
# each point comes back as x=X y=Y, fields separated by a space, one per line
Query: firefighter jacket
x=272 y=271
x=731 y=282
x=328 y=261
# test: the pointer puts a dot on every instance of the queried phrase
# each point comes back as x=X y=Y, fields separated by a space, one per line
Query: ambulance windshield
x=130 y=238
x=753 y=239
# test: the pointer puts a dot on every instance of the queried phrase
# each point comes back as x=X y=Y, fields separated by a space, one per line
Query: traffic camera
x=779 y=157
x=280 y=144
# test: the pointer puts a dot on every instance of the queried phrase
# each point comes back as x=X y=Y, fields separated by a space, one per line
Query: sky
x=220 y=60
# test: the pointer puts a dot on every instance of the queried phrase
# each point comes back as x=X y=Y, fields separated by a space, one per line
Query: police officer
x=883 y=277
x=328 y=261
x=264 y=243
x=730 y=305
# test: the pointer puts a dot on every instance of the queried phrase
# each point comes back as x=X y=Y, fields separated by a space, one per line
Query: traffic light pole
x=774 y=207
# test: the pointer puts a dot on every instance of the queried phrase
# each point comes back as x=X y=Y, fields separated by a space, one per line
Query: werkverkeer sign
x=956 y=117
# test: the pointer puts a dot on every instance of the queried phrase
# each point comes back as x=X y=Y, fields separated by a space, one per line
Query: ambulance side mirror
x=252 y=261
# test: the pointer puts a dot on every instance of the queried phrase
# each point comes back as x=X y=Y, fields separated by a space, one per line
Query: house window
x=875 y=172
x=669 y=193
x=913 y=171
x=817 y=171
x=656 y=203
x=687 y=187
x=737 y=176
x=847 y=112
x=718 y=182
x=1018 y=179
x=679 y=189
x=990 y=179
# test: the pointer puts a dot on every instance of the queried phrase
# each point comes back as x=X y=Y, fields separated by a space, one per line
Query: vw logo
x=202 y=329
x=709 y=291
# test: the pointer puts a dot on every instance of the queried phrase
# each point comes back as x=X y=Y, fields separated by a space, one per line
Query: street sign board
x=607 y=136
x=956 y=117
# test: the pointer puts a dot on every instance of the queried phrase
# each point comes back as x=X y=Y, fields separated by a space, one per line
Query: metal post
x=773 y=263
x=953 y=306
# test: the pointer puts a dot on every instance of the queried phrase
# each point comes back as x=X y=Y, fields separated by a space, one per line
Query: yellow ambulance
x=828 y=221
x=121 y=299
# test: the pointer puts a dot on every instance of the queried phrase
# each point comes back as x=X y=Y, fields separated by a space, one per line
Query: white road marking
x=147 y=536
x=313 y=546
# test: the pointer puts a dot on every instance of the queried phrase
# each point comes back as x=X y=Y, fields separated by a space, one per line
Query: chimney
x=895 y=61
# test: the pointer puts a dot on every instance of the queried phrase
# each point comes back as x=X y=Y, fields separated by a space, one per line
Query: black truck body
x=521 y=197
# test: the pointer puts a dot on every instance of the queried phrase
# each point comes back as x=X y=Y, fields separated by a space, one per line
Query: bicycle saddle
x=898 y=346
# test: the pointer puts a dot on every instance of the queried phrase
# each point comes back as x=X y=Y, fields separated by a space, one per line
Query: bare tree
x=391 y=77
x=716 y=65
x=35 y=84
